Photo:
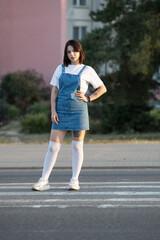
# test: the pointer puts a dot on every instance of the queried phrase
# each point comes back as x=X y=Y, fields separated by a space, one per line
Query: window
x=79 y=2
x=79 y=32
x=83 y=32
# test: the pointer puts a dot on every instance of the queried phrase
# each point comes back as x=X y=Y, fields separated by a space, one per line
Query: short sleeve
x=55 y=77
x=93 y=78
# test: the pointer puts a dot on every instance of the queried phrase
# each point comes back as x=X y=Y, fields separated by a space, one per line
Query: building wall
x=78 y=16
x=32 y=35
x=33 y=32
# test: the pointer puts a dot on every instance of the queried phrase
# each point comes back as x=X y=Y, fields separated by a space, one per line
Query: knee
x=77 y=145
x=54 y=146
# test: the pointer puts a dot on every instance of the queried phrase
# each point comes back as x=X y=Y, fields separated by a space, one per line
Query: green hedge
x=123 y=118
x=36 y=123
x=39 y=107
x=8 y=112
x=23 y=88
x=155 y=115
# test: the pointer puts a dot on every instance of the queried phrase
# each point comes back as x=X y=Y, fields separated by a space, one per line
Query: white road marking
x=16 y=201
x=86 y=187
x=86 y=183
x=27 y=187
x=137 y=195
x=129 y=206
x=79 y=205
x=75 y=193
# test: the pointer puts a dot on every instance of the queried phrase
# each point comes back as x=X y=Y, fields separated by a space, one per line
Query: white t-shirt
x=88 y=76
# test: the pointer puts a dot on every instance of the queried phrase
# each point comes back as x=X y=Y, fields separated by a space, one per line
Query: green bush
x=36 y=123
x=155 y=115
x=8 y=112
x=39 y=107
x=108 y=118
x=13 y=112
x=3 y=110
x=126 y=118
x=23 y=88
x=95 y=111
x=95 y=126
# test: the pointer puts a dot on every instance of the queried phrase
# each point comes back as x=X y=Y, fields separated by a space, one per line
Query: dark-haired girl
x=69 y=111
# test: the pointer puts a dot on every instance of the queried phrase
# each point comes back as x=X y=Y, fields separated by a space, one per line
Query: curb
x=84 y=168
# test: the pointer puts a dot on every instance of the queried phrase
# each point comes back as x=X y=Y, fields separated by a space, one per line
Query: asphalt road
x=119 y=204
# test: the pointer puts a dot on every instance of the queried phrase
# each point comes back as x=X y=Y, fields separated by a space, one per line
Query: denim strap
x=63 y=68
x=81 y=70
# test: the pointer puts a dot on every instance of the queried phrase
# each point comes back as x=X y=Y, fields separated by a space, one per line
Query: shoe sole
x=41 y=189
x=72 y=188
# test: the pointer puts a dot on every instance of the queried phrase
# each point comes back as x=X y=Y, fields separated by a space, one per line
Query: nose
x=72 y=53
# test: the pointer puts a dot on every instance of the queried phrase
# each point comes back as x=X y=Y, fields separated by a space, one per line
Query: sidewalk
x=95 y=155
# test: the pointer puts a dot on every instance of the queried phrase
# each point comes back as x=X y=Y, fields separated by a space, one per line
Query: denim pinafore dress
x=72 y=112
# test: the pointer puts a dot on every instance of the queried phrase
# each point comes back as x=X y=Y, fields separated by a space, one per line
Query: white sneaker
x=41 y=185
x=73 y=185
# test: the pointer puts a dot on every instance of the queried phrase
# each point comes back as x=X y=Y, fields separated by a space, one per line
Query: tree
x=130 y=42
x=22 y=88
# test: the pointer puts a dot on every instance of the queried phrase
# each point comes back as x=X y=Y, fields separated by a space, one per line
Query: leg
x=77 y=156
x=78 y=135
x=57 y=135
x=55 y=143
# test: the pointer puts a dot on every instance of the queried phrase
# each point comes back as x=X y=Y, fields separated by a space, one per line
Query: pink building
x=32 y=35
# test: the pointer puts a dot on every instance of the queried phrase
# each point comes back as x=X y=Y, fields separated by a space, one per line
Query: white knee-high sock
x=50 y=159
x=77 y=158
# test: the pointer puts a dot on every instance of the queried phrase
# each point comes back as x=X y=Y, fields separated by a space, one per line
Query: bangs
x=76 y=46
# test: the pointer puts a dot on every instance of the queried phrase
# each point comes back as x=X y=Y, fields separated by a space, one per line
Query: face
x=73 y=55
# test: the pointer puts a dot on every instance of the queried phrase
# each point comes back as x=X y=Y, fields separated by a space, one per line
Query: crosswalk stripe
x=111 y=195
x=88 y=205
x=87 y=183
x=81 y=200
x=68 y=193
x=87 y=187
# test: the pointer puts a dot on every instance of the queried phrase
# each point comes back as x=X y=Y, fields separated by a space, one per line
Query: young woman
x=69 y=110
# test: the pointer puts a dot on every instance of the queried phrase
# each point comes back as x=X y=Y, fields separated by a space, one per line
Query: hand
x=81 y=96
x=55 y=118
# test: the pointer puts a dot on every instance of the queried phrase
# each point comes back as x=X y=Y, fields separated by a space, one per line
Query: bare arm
x=99 y=92
x=54 y=95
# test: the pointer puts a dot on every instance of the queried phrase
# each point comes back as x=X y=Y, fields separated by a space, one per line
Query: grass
x=11 y=126
x=11 y=133
x=123 y=138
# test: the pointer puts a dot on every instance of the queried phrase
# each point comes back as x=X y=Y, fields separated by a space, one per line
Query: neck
x=75 y=63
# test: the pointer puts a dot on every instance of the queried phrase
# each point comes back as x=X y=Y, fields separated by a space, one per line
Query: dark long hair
x=77 y=47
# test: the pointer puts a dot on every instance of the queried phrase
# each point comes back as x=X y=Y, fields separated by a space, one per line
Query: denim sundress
x=72 y=112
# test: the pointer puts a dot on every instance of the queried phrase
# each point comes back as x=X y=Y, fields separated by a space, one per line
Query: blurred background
x=121 y=41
